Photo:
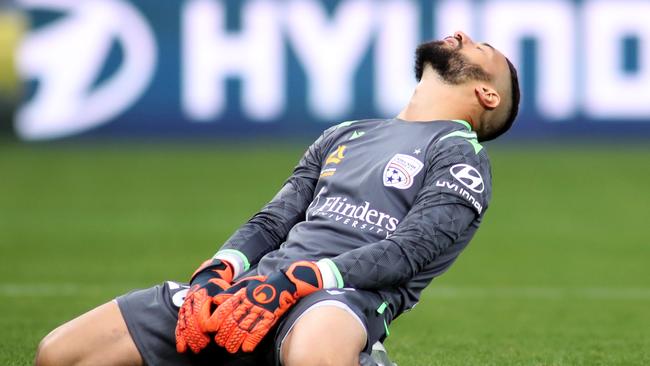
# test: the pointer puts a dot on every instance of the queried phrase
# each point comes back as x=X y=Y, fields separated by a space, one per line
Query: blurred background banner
x=121 y=68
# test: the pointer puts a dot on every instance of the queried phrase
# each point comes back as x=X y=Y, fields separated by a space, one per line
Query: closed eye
x=487 y=45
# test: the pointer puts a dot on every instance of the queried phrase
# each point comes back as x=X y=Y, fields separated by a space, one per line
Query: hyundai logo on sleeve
x=468 y=176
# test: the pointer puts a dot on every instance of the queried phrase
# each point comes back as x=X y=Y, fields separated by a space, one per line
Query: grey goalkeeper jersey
x=391 y=203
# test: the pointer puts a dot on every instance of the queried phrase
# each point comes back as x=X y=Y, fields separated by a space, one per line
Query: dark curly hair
x=515 y=97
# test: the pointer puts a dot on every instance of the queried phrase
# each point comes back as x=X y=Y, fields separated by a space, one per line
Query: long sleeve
x=268 y=228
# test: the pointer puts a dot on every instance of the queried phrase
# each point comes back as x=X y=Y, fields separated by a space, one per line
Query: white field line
x=442 y=292
x=595 y=293
x=59 y=289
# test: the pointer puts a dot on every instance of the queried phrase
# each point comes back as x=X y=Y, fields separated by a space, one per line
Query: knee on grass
x=50 y=353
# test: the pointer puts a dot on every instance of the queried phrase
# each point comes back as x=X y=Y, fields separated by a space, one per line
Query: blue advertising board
x=294 y=67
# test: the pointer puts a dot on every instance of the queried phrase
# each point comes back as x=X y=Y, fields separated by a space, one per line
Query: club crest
x=401 y=170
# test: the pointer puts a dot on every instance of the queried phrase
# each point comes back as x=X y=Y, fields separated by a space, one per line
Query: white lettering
x=349 y=209
x=397 y=38
x=463 y=193
x=610 y=92
x=330 y=50
x=392 y=224
x=329 y=203
x=551 y=24
x=454 y=15
x=382 y=216
x=352 y=214
x=340 y=205
x=578 y=71
x=360 y=213
x=372 y=213
x=210 y=56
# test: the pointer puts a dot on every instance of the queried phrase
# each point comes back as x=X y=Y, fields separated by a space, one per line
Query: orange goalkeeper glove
x=211 y=278
x=243 y=319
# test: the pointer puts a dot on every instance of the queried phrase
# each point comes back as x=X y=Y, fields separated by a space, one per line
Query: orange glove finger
x=181 y=344
x=227 y=327
x=188 y=327
x=230 y=324
x=248 y=315
x=235 y=338
x=224 y=307
x=226 y=304
x=213 y=277
x=204 y=314
x=259 y=331
x=181 y=326
x=241 y=333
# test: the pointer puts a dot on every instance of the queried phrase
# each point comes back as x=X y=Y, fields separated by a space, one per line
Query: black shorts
x=151 y=314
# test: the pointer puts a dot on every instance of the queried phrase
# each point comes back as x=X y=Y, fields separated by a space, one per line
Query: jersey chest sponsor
x=360 y=216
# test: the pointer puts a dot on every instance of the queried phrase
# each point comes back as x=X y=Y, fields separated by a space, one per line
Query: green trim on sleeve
x=345 y=124
x=241 y=255
x=335 y=270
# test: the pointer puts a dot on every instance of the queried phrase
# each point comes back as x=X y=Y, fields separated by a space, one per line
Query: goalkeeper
x=372 y=213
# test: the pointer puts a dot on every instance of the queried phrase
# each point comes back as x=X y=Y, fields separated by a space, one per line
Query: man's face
x=458 y=59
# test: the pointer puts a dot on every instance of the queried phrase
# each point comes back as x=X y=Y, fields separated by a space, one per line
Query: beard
x=448 y=62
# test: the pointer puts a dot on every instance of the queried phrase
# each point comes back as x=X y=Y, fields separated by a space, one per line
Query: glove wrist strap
x=212 y=268
x=305 y=276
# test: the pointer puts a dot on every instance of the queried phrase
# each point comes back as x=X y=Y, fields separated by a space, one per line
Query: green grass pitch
x=559 y=274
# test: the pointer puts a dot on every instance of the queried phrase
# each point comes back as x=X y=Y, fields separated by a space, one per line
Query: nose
x=464 y=38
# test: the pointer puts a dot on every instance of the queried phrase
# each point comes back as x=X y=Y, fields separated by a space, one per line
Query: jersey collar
x=464 y=123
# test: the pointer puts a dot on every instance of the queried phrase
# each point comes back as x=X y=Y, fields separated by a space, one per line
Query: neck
x=434 y=100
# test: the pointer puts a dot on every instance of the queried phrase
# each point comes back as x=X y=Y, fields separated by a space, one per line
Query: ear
x=487 y=96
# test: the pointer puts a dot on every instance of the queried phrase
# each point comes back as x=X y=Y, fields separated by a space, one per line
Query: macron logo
x=356 y=135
